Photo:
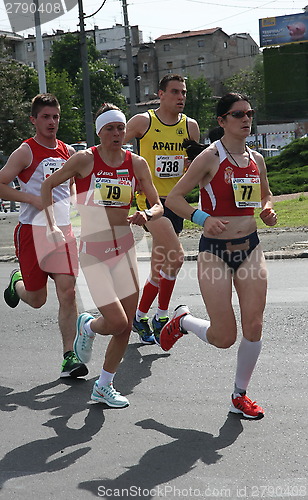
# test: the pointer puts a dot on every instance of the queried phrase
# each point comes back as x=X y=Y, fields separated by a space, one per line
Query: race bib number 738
x=169 y=166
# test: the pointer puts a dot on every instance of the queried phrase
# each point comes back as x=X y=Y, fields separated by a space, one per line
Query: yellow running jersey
x=162 y=147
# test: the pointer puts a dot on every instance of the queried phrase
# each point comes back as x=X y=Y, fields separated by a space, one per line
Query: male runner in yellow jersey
x=160 y=135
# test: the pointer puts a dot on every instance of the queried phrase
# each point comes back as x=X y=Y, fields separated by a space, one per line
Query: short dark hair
x=41 y=100
x=226 y=101
x=107 y=106
x=169 y=78
x=215 y=134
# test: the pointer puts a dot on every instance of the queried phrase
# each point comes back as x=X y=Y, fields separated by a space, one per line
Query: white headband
x=113 y=115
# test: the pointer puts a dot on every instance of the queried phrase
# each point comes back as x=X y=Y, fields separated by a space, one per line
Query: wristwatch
x=148 y=214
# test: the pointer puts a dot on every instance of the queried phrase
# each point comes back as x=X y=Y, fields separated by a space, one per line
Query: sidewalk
x=287 y=243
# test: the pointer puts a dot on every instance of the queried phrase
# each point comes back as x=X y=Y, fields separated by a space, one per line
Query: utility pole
x=85 y=79
x=39 y=49
x=129 y=60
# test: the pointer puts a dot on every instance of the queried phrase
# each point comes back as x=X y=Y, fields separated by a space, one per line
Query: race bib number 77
x=247 y=192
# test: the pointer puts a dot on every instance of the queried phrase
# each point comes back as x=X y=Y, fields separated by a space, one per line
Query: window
x=145 y=67
x=201 y=43
x=169 y=64
x=253 y=50
x=166 y=47
x=102 y=39
x=225 y=45
x=30 y=47
x=146 y=90
x=201 y=62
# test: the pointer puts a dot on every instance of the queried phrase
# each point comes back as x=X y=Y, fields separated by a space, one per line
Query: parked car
x=130 y=147
x=78 y=146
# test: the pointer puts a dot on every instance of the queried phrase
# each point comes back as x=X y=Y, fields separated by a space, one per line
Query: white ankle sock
x=88 y=329
x=140 y=314
x=160 y=313
x=197 y=326
x=105 y=378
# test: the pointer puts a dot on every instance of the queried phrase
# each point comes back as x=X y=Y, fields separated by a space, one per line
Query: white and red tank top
x=234 y=190
x=44 y=162
x=107 y=186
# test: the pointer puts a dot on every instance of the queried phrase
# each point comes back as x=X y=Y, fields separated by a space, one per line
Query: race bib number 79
x=247 y=192
x=112 y=192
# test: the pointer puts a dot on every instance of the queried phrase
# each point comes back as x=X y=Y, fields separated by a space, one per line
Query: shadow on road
x=166 y=462
x=48 y=455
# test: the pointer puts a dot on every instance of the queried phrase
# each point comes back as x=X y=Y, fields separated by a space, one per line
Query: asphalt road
x=176 y=439
x=280 y=243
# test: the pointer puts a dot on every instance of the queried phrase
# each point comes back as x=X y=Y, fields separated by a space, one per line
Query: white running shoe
x=107 y=394
x=83 y=343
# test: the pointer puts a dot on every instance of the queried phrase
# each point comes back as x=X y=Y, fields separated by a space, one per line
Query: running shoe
x=10 y=295
x=240 y=403
x=107 y=394
x=173 y=331
x=157 y=325
x=83 y=343
x=71 y=366
x=144 y=331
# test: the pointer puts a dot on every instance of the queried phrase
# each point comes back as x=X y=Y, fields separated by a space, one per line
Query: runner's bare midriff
x=237 y=227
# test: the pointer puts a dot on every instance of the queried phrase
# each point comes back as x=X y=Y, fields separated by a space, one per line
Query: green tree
x=16 y=80
x=66 y=54
x=199 y=103
x=71 y=123
x=104 y=86
x=251 y=83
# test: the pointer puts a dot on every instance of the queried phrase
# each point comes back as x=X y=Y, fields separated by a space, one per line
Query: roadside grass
x=290 y=213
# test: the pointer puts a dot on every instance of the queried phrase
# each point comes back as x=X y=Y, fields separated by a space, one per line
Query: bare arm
x=143 y=175
x=17 y=162
x=267 y=214
x=137 y=126
x=193 y=129
x=74 y=167
x=198 y=171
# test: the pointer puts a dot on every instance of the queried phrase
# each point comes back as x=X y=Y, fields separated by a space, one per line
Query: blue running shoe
x=83 y=343
x=157 y=325
x=144 y=331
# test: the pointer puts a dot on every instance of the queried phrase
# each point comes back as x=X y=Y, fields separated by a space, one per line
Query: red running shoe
x=242 y=404
x=173 y=331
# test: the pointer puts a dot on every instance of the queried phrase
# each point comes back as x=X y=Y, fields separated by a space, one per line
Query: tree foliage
x=66 y=54
x=59 y=84
x=16 y=81
x=251 y=83
x=104 y=86
x=199 y=103
x=288 y=171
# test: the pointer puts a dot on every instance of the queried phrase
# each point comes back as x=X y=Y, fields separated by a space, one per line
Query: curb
x=277 y=255
x=143 y=257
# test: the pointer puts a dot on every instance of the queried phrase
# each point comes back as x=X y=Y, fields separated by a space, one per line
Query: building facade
x=209 y=53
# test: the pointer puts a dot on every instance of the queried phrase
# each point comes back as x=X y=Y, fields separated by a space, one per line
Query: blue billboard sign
x=283 y=29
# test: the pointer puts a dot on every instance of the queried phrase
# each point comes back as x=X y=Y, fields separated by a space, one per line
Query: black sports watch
x=148 y=214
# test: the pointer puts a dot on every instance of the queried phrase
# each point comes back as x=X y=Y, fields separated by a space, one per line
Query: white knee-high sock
x=247 y=357
x=197 y=326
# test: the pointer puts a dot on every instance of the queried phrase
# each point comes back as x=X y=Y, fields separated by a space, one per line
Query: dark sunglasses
x=240 y=114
